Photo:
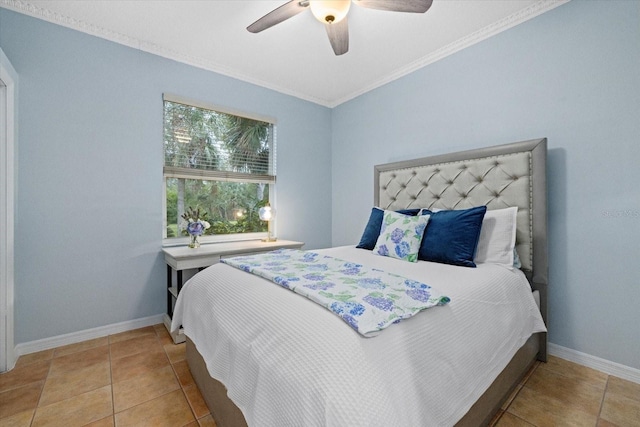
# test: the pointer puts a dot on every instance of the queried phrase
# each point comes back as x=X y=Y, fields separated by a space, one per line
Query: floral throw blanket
x=368 y=299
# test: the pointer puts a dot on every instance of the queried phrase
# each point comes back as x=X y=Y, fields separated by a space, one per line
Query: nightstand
x=182 y=258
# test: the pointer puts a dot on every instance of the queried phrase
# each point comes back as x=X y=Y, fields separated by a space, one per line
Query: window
x=219 y=162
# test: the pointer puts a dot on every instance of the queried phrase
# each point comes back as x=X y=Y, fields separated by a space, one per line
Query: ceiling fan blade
x=339 y=36
x=276 y=16
x=415 y=6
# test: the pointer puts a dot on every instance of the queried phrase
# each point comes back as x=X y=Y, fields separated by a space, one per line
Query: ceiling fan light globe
x=330 y=11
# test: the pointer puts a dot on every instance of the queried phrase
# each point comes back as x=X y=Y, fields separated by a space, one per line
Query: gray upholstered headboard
x=498 y=177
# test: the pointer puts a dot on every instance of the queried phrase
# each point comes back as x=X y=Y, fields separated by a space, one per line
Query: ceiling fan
x=333 y=14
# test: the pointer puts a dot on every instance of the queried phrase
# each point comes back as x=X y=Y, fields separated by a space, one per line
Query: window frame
x=220 y=176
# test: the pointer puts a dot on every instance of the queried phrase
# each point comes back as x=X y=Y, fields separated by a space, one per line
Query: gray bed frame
x=500 y=176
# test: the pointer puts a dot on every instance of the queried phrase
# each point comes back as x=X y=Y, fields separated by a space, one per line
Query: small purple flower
x=352 y=271
x=402 y=249
x=313 y=276
x=419 y=294
x=309 y=257
x=344 y=308
x=195 y=228
x=350 y=320
x=352 y=265
x=355 y=309
x=383 y=250
x=415 y=284
x=322 y=286
x=381 y=303
x=370 y=283
x=397 y=235
x=420 y=229
x=282 y=281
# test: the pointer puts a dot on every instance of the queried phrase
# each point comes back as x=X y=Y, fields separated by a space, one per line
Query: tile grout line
x=44 y=383
x=523 y=385
x=159 y=339
x=519 y=388
x=604 y=394
x=183 y=387
x=113 y=397
x=184 y=394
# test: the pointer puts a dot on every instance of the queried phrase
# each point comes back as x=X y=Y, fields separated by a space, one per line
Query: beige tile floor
x=135 y=378
x=140 y=378
x=562 y=393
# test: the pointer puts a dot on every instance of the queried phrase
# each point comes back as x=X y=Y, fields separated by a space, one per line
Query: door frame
x=8 y=83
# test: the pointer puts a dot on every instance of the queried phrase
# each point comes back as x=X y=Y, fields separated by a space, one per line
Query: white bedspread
x=287 y=361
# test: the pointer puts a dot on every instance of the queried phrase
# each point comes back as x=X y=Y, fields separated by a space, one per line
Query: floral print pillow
x=401 y=235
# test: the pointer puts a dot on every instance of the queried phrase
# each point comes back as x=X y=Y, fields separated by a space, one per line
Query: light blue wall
x=89 y=200
x=571 y=75
x=88 y=232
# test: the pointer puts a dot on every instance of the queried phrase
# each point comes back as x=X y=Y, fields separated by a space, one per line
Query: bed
x=262 y=355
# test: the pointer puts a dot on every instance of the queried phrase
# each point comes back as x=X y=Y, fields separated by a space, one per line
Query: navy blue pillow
x=372 y=230
x=452 y=236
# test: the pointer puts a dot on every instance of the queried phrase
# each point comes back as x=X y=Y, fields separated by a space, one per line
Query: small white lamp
x=267 y=213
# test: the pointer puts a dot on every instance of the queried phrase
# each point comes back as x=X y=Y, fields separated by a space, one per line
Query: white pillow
x=497 y=237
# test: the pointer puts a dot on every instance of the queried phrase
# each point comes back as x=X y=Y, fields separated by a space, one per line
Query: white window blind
x=201 y=142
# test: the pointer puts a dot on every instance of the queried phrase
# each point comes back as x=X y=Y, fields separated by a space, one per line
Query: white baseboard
x=602 y=365
x=87 y=334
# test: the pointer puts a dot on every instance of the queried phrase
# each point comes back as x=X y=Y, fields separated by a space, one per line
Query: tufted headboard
x=498 y=177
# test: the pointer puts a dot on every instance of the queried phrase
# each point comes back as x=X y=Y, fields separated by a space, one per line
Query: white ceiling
x=293 y=57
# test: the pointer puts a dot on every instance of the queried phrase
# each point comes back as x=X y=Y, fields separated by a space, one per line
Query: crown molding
x=519 y=17
x=66 y=21
x=497 y=27
x=29 y=9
